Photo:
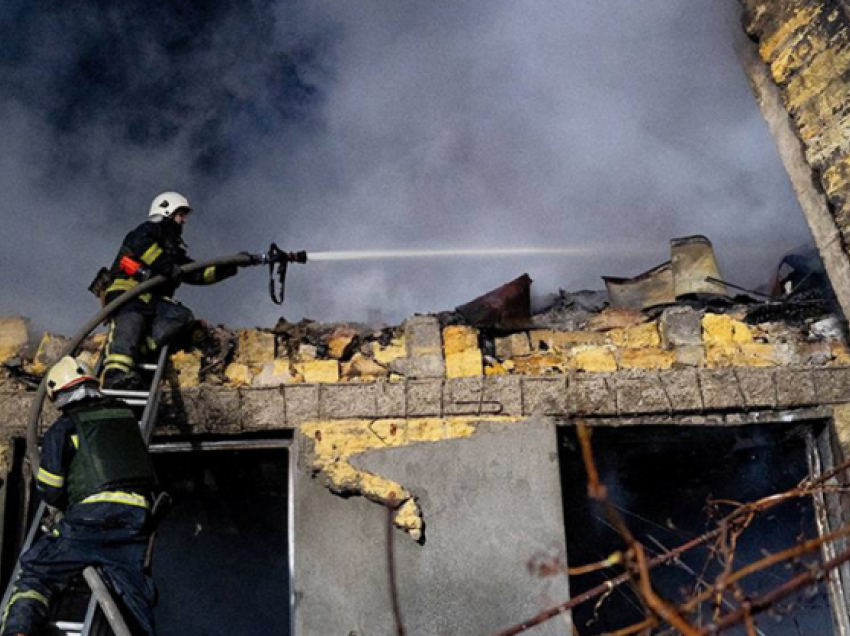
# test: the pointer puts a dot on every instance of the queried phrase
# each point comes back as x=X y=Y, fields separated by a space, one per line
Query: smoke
x=330 y=125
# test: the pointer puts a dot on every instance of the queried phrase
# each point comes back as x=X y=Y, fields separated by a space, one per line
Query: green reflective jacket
x=111 y=455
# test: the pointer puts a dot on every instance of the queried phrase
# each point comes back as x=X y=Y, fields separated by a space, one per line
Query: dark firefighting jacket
x=159 y=247
x=95 y=453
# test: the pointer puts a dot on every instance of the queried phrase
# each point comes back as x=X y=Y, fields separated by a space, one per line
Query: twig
x=805 y=489
x=763 y=602
x=391 y=572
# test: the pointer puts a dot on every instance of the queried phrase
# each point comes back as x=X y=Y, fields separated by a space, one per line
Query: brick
x=682 y=389
x=457 y=339
x=238 y=374
x=262 y=409
x=494 y=367
x=757 y=387
x=255 y=347
x=319 y=371
x=758 y=354
x=221 y=409
x=13 y=337
x=550 y=340
x=302 y=404
x=465 y=364
x=347 y=401
x=720 y=390
x=185 y=368
x=393 y=351
x=424 y=344
x=390 y=399
x=516 y=344
x=720 y=329
x=422 y=336
x=424 y=398
x=182 y=411
x=463 y=396
x=547 y=396
x=641 y=336
x=539 y=364
x=594 y=359
x=592 y=395
x=795 y=387
x=833 y=385
x=422 y=367
x=503 y=395
x=648 y=358
x=680 y=327
x=641 y=394
x=275 y=373
x=363 y=368
x=689 y=356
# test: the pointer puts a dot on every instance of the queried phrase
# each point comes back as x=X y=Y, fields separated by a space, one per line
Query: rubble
x=691 y=272
x=494 y=335
x=13 y=337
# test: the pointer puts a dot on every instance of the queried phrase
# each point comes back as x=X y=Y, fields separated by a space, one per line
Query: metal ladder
x=76 y=612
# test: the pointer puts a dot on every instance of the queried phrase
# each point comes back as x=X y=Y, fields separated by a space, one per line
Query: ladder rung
x=68 y=625
x=136 y=395
x=130 y=402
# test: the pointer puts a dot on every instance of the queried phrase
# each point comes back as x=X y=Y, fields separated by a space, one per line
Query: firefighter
x=153 y=319
x=95 y=467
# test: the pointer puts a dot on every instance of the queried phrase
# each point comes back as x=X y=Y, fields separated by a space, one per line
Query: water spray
x=449 y=253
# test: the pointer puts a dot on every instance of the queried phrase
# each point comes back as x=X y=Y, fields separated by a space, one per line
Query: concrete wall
x=491 y=503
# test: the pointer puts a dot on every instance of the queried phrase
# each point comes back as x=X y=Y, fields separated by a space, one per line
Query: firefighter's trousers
x=159 y=320
x=112 y=537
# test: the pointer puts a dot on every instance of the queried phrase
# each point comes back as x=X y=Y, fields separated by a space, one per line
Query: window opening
x=661 y=479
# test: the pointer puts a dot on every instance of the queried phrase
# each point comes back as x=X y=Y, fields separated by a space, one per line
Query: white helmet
x=66 y=374
x=168 y=203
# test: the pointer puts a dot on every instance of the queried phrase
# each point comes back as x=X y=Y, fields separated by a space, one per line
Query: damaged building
x=494 y=470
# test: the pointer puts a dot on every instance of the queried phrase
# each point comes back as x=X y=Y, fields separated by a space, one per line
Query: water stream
x=360 y=255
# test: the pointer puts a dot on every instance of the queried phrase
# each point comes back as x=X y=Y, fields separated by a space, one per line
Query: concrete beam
x=629 y=395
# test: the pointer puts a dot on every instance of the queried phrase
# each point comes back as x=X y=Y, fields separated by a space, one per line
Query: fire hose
x=273 y=257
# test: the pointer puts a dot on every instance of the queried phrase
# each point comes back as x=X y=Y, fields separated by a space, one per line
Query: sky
x=325 y=125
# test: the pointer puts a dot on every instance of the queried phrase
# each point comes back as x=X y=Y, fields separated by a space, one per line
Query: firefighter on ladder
x=96 y=468
x=154 y=319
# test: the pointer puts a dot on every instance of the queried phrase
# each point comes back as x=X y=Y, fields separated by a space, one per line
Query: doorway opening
x=222 y=562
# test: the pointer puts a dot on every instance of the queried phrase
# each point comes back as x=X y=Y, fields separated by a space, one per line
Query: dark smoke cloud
x=329 y=125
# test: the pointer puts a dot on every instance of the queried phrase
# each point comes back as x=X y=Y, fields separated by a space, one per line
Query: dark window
x=660 y=480
x=221 y=561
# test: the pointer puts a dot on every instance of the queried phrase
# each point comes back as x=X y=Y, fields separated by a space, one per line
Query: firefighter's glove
x=251 y=259
x=174 y=274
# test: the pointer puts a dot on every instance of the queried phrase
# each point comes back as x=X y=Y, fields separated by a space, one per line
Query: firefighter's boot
x=120 y=380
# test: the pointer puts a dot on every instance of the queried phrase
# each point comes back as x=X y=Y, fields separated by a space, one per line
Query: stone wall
x=806 y=44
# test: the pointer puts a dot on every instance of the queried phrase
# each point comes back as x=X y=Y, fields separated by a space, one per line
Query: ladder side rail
x=152 y=406
x=146 y=424
x=102 y=596
x=36 y=522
